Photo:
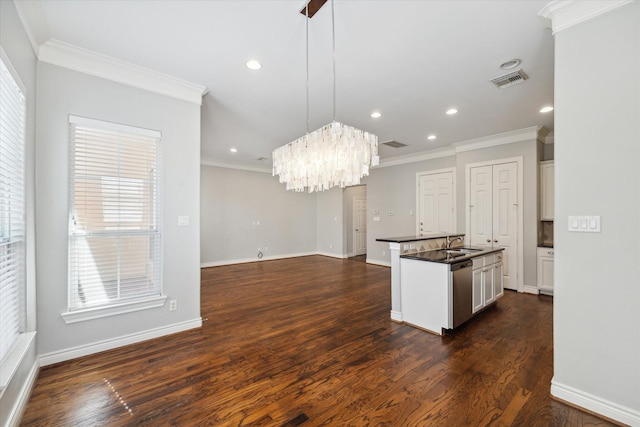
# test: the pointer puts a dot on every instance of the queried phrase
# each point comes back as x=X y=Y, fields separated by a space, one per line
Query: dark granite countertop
x=442 y=257
x=406 y=239
x=546 y=245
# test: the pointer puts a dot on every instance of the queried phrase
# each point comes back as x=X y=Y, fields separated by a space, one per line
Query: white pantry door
x=493 y=211
x=436 y=196
x=359 y=226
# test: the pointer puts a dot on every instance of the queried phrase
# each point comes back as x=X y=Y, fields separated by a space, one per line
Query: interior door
x=360 y=226
x=481 y=206
x=435 y=203
x=505 y=218
x=493 y=212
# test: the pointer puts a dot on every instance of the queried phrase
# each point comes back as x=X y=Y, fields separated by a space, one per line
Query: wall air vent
x=394 y=144
x=510 y=79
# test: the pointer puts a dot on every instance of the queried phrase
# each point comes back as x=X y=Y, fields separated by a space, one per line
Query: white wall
x=62 y=92
x=232 y=203
x=16 y=45
x=331 y=225
x=597 y=157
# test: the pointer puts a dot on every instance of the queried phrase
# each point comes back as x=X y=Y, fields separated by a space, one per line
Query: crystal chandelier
x=334 y=155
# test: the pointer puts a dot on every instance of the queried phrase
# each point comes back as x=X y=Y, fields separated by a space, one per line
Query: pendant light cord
x=307 y=50
x=333 y=34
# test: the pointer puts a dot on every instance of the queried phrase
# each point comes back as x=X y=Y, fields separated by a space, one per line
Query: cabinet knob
x=495 y=241
x=550 y=252
x=488 y=240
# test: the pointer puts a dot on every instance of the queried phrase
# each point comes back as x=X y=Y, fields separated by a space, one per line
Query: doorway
x=355 y=210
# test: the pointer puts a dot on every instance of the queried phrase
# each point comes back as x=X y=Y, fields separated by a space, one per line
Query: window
x=114 y=233
x=12 y=209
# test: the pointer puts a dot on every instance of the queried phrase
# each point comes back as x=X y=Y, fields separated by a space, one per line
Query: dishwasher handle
x=460 y=265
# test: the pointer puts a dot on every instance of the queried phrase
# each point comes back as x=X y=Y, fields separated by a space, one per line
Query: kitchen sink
x=465 y=251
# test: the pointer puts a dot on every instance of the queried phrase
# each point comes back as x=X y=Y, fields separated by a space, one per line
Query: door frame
x=453 y=184
x=520 y=214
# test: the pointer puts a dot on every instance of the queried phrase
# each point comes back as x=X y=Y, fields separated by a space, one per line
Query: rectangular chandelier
x=336 y=155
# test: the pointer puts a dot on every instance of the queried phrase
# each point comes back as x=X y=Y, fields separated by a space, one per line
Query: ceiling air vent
x=394 y=144
x=261 y=158
x=510 y=79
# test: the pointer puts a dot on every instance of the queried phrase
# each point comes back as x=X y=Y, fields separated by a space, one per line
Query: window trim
x=125 y=306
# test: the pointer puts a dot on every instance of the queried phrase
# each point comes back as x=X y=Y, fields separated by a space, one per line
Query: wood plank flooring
x=308 y=341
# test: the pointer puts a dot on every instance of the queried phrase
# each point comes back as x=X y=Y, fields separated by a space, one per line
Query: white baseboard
x=379 y=262
x=84 y=350
x=396 y=316
x=595 y=404
x=254 y=259
x=340 y=256
x=528 y=289
x=23 y=398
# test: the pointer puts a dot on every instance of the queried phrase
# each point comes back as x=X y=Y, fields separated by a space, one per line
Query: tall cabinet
x=545 y=253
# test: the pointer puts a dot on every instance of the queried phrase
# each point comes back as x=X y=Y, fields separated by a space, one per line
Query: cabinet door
x=478 y=288
x=546 y=191
x=498 y=287
x=481 y=205
x=488 y=292
x=435 y=203
x=546 y=272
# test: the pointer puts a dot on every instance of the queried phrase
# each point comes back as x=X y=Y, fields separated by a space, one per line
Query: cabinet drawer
x=498 y=257
x=478 y=262
x=545 y=252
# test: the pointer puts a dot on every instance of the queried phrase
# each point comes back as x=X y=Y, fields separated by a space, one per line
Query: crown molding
x=34 y=22
x=86 y=61
x=205 y=162
x=417 y=157
x=511 y=137
x=564 y=14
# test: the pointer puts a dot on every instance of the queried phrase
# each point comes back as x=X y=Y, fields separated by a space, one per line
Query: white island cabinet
x=440 y=292
x=425 y=294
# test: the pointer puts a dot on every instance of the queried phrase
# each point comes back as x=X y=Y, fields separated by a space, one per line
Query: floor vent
x=510 y=79
x=394 y=144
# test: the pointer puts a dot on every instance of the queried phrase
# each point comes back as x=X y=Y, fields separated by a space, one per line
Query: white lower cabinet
x=545 y=270
x=487 y=280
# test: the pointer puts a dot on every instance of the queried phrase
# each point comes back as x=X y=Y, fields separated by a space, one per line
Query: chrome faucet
x=450 y=240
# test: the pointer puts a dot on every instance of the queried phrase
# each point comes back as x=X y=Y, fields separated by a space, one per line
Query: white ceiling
x=410 y=60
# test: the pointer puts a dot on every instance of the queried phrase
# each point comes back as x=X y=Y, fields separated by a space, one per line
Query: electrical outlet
x=173 y=305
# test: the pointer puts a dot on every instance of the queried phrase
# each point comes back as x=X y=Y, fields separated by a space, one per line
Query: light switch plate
x=183 y=221
x=584 y=224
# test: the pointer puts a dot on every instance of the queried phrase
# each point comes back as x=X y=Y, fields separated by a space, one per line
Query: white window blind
x=114 y=233
x=12 y=209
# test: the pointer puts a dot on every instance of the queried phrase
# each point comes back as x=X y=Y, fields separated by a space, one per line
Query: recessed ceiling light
x=546 y=109
x=233 y=150
x=376 y=114
x=254 y=65
x=510 y=64
x=431 y=137
x=451 y=111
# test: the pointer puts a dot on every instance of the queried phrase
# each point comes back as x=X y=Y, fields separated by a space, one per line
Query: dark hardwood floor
x=308 y=341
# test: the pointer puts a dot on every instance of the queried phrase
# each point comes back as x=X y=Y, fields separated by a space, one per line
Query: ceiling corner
x=34 y=22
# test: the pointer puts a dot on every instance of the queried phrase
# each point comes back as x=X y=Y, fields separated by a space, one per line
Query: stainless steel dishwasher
x=462 y=290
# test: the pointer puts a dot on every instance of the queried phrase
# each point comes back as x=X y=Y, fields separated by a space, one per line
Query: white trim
x=113 y=310
x=567 y=13
x=504 y=138
x=332 y=255
x=23 y=397
x=114 y=127
x=34 y=22
x=379 y=262
x=531 y=289
x=595 y=404
x=14 y=359
x=12 y=71
x=455 y=200
x=396 y=316
x=416 y=157
x=520 y=238
x=108 y=344
x=85 y=61
x=205 y=162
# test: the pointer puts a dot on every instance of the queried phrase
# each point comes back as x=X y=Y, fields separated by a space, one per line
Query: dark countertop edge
x=406 y=239
x=417 y=257
x=545 y=245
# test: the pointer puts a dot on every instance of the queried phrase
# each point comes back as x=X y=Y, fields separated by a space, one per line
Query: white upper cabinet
x=546 y=190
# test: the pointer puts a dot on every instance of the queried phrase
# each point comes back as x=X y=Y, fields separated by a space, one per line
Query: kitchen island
x=404 y=245
x=442 y=289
